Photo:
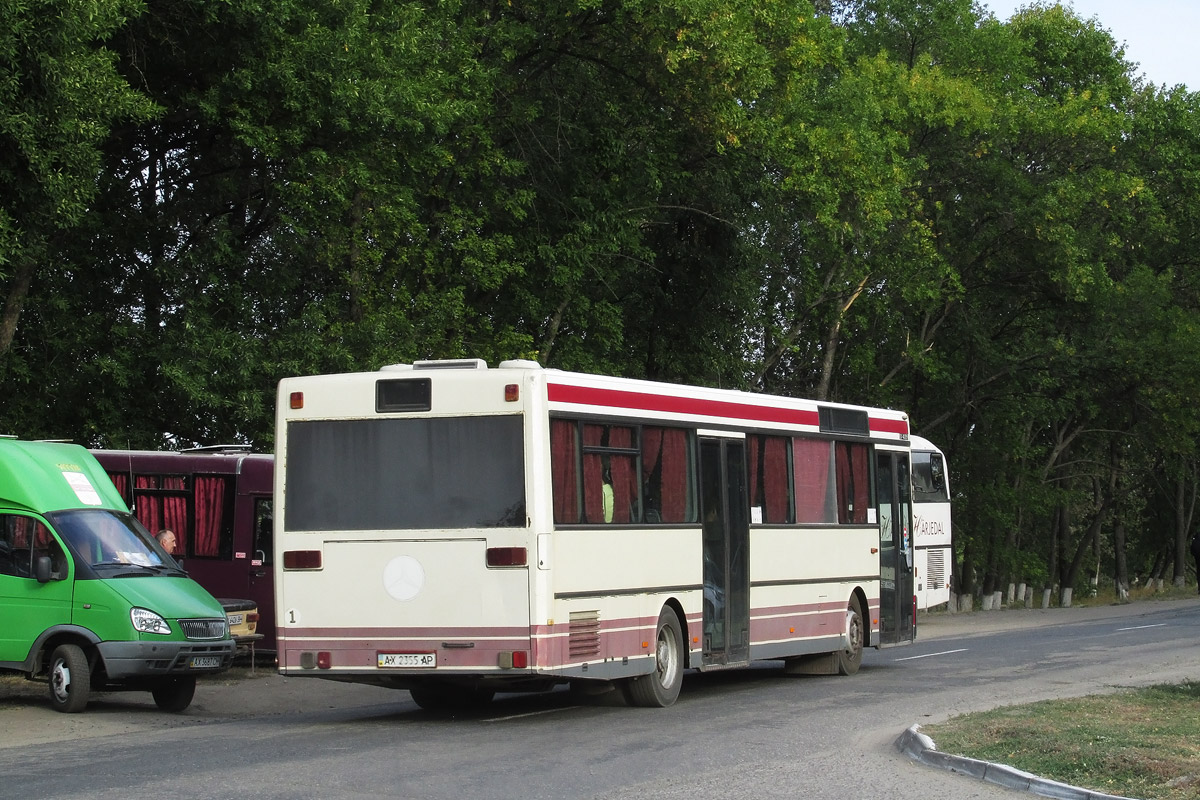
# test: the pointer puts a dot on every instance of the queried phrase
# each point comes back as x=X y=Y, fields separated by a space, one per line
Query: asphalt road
x=751 y=733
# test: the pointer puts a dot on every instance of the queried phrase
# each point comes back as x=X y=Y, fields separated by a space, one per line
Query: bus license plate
x=234 y=619
x=421 y=660
x=204 y=662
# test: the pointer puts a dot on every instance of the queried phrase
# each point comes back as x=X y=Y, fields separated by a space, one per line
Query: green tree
x=60 y=94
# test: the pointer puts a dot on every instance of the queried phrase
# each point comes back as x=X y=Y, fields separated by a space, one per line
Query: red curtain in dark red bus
x=210 y=507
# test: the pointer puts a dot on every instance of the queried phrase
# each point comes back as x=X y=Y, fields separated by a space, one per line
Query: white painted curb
x=920 y=747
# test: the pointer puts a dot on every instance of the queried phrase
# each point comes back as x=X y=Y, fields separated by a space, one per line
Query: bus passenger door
x=262 y=575
x=725 y=505
x=896 y=595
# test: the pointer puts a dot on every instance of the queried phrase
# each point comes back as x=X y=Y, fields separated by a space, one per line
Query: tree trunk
x=1121 y=566
x=1185 y=504
x=15 y=302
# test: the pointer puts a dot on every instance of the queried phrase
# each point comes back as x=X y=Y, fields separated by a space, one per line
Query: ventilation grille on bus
x=203 y=628
x=935 y=569
x=583 y=638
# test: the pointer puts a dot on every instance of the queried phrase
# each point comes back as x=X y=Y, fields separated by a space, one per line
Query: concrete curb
x=920 y=747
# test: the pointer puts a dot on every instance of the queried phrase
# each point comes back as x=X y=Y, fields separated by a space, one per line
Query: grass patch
x=1142 y=743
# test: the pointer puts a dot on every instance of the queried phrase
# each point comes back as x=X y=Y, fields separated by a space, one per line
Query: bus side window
x=610 y=474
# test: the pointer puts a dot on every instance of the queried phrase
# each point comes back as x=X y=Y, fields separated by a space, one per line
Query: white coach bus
x=931 y=524
x=456 y=530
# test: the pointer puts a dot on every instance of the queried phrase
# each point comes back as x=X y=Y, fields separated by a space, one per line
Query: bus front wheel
x=661 y=687
x=849 y=659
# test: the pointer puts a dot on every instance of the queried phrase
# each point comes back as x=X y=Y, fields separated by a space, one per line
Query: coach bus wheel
x=850 y=658
x=174 y=694
x=450 y=698
x=70 y=679
x=661 y=687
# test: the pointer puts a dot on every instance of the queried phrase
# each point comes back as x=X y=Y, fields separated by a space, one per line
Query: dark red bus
x=217 y=501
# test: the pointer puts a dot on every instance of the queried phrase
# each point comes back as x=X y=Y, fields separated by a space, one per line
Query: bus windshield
x=393 y=474
x=106 y=538
x=928 y=476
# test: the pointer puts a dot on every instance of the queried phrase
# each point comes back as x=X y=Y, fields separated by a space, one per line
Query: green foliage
x=991 y=225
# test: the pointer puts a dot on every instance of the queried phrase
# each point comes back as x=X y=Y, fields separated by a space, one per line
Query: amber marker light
x=296 y=400
x=512 y=392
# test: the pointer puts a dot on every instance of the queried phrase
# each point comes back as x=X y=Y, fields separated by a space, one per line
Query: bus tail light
x=252 y=618
x=506 y=556
x=513 y=659
x=322 y=659
x=302 y=559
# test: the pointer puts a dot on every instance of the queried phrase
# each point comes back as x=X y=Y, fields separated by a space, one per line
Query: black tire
x=661 y=687
x=850 y=659
x=174 y=694
x=70 y=679
x=450 y=698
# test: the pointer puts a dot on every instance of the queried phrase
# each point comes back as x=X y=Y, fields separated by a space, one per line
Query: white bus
x=931 y=524
x=456 y=530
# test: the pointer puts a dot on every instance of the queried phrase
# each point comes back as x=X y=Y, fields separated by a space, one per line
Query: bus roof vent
x=452 y=363
x=520 y=363
x=844 y=420
x=396 y=368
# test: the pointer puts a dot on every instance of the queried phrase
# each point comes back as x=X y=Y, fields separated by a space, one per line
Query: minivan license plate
x=202 y=662
x=420 y=660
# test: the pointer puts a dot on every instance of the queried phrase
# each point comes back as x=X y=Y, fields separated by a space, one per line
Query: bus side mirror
x=41 y=569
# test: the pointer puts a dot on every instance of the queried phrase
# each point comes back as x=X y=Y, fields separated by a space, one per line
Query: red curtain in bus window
x=769 y=478
x=121 y=482
x=853 y=486
x=610 y=488
x=813 y=467
x=147 y=508
x=210 y=509
x=564 y=470
x=665 y=475
x=174 y=512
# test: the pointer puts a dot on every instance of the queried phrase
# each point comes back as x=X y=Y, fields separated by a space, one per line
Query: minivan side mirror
x=41 y=569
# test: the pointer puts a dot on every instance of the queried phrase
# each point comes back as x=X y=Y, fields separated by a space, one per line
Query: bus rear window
x=405 y=474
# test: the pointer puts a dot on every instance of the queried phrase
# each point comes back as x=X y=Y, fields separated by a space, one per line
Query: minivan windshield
x=112 y=540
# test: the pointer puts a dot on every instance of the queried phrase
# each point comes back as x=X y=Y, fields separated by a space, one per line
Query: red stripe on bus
x=883 y=425
x=640 y=401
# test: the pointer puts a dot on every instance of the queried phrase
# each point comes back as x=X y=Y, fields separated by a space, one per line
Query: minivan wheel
x=70 y=679
x=174 y=694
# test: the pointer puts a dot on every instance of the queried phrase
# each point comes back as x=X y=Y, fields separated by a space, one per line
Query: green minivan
x=88 y=599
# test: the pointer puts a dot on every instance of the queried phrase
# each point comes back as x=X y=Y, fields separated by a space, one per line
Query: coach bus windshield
x=405 y=474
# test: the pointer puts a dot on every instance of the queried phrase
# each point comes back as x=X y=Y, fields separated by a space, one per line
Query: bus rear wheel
x=849 y=659
x=450 y=698
x=661 y=687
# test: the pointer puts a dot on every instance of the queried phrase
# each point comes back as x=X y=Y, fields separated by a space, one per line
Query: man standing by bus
x=166 y=539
